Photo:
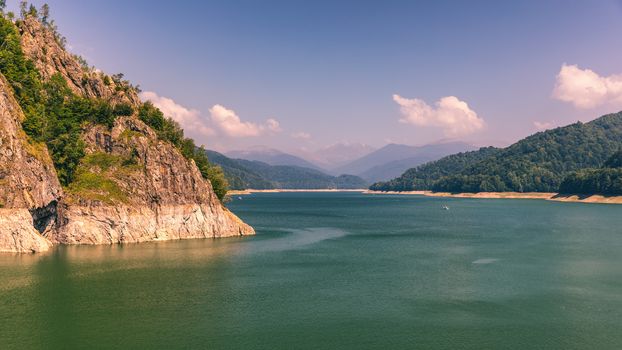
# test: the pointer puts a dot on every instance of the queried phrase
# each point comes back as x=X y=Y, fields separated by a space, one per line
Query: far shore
x=550 y=196
x=251 y=191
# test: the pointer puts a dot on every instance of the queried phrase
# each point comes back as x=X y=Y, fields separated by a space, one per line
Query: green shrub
x=123 y=109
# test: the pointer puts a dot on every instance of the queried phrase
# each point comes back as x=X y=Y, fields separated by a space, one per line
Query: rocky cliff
x=29 y=188
x=41 y=45
x=131 y=186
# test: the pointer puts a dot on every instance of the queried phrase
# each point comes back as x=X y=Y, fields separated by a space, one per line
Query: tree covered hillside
x=606 y=180
x=425 y=176
x=238 y=175
x=538 y=163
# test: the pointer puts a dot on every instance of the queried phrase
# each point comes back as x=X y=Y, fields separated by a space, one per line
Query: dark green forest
x=425 y=176
x=606 y=180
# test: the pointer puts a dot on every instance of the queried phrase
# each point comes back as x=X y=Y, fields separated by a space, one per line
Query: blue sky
x=307 y=74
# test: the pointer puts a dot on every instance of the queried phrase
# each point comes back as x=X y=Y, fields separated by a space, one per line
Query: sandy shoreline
x=245 y=192
x=549 y=196
x=514 y=195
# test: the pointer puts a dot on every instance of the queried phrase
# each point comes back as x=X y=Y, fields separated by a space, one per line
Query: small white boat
x=445 y=207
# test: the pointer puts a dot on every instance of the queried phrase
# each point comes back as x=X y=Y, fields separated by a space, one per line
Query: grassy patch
x=103 y=161
x=94 y=186
x=37 y=150
x=128 y=134
x=95 y=177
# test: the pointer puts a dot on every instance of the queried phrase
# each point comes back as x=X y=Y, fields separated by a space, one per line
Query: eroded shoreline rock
x=28 y=182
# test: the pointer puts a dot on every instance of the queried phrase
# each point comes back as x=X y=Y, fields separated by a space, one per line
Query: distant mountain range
x=272 y=157
x=253 y=174
x=336 y=155
x=358 y=159
x=578 y=158
x=393 y=159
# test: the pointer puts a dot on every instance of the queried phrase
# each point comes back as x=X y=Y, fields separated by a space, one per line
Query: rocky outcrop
x=29 y=188
x=151 y=192
x=106 y=224
x=40 y=44
x=130 y=187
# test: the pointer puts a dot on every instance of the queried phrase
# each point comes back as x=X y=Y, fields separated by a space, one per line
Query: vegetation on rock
x=169 y=130
x=94 y=178
x=56 y=116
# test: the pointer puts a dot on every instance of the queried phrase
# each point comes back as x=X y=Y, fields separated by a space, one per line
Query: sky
x=303 y=75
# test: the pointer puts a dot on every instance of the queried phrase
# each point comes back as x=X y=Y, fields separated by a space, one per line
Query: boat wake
x=299 y=238
x=485 y=261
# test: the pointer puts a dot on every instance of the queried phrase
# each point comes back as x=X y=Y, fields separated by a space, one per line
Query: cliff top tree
x=45 y=13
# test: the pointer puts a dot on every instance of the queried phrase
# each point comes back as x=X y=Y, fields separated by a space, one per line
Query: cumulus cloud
x=231 y=124
x=449 y=113
x=301 y=135
x=586 y=89
x=189 y=119
x=543 y=125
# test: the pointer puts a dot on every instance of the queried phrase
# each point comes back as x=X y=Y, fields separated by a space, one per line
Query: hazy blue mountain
x=392 y=160
x=252 y=174
x=272 y=157
x=338 y=154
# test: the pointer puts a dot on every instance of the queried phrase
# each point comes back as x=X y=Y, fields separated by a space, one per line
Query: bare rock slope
x=29 y=188
x=42 y=47
x=132 y=187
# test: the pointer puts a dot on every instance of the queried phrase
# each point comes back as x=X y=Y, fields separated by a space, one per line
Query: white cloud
x=449 y=113
x=586 y=89
x=301 y=135
x=189 y=119
x=229 y=122
x=273 y=125
x=543 y=125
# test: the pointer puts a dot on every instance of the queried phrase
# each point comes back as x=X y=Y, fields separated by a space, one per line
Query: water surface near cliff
x=336 y=271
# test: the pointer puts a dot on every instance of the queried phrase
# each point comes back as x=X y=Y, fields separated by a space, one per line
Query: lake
x=336 y=271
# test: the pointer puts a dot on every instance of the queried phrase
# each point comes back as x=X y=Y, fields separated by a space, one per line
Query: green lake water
x=336 y=271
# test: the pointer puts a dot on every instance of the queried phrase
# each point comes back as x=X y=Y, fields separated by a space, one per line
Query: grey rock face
x=152 y=193
x=162 y=195
x=29 y=187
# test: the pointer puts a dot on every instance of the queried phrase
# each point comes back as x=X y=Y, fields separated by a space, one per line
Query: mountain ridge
x=537 y=163
x=271 y=156
x=252 y=174
x=393 y=159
